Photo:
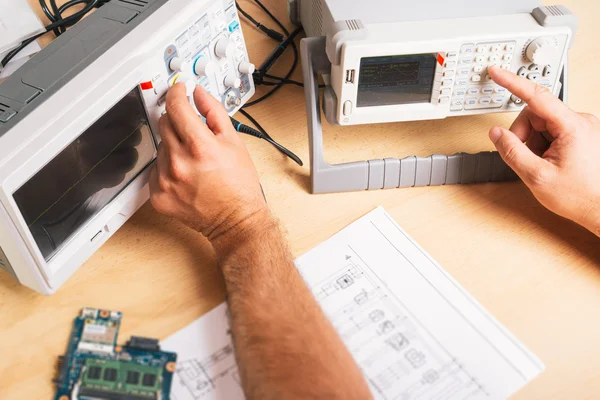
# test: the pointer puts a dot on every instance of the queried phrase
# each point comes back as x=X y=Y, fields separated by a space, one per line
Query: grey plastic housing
x=556 y=16
x=437 y=169
x=342 y=21
x=50 y=69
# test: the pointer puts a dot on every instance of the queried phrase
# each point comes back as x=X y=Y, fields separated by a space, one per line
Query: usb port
x=350 y=75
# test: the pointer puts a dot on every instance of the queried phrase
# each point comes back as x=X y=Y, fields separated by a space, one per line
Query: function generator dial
x=541 y=51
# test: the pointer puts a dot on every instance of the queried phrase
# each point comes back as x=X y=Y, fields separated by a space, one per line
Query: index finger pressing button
x=539 y=98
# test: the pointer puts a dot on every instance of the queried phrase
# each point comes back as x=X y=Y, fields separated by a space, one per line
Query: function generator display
x=391 y=80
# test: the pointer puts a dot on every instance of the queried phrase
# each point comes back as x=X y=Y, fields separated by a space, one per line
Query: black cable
x=277 y=52
x=262 y=134
x=287 y=76
x=259 y=78
x=280 y=79
x=273 y=34
x=56 y=14
x=285 y=81
x=259 y=75
x=274 y=18
x=58 y=24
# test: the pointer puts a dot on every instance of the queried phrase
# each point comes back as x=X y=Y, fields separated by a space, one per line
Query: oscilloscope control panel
x=210 y=52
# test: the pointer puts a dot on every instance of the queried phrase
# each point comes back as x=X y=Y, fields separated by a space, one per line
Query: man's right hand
x=562 y=166
x=203 y=175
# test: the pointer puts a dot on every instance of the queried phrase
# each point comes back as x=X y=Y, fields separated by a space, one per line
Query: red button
x=146 y=85
x=441 y=59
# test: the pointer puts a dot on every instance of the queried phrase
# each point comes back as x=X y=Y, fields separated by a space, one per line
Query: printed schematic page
x=414 y=331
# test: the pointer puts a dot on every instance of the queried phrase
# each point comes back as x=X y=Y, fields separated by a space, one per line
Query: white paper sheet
x=414 y=331
x=17 y=22
x=19 y=59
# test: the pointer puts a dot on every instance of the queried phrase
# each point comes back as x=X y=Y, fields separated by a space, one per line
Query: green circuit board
x=96 y=368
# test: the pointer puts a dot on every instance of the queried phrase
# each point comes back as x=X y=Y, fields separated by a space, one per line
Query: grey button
x=6 y=115
x=347 y=107
x=516 y=100
x=547 y=70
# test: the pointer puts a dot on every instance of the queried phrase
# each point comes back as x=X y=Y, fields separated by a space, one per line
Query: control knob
x=246 y=68
x=177 y=64
x=203 y=66
x=224 y=48
x=541 y=51
x=232 y=81
x=188 y=80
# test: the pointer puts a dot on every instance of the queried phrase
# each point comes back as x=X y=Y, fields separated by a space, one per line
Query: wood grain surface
x=537 y=273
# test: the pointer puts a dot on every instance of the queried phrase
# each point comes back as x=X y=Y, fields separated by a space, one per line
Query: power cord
x=58 y=23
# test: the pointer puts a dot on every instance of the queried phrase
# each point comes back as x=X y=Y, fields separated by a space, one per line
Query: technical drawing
x=415 y=358
x=397 y=342
x=202 y=377
x=413 y=331
x=399 y=357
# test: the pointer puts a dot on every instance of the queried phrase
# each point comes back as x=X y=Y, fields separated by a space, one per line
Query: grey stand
x=386 y=173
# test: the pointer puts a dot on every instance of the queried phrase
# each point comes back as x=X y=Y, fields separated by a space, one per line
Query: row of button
x=473 y=103
x=474 y=90
x=194 y=38
x=534 y=73
x=459 y=97
x=475 y=62
x=444 y=80
x=470 y=48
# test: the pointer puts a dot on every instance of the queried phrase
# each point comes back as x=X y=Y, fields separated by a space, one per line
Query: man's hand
x=203 y=175
x=285 y=346
x=554 y=150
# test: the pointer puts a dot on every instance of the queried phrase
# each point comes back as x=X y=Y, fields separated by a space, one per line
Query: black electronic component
x=142 y=343
x=110 y=374
x=133 y=378
x=94 y=372
x=149 y=380
x=87 y=393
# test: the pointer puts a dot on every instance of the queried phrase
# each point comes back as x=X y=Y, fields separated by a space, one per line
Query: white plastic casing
x=54 y=124
x=450 y=40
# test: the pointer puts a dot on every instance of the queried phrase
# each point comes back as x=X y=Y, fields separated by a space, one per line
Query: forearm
x=285 y=346
x=592 y=220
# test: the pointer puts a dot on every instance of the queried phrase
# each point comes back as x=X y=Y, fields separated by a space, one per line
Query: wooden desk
x=535 y=272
